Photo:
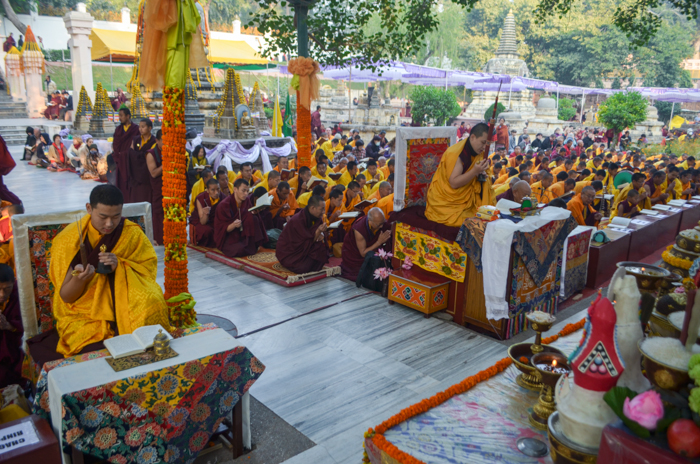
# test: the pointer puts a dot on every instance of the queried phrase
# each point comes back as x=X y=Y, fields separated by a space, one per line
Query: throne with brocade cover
x=33 y=234
x=447 y=271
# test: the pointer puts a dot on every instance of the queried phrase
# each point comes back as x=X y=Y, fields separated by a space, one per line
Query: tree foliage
x=433 y=104
x=582 y=47
x=488 y=114
x=622 y=110
x=566 y=109
x=338 y=31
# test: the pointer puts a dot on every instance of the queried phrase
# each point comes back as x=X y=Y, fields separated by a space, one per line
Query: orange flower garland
x=303 y=135
x=174 y=207
x=377 y=434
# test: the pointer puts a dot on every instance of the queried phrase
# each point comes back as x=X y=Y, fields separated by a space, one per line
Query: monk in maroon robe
x=237 y=231
x=139 y=175
x=121 y=144
x=364 y=236
x=203 y=217
x=7 y=164
x=11 y=330
x=302 y=247
x=154 y=161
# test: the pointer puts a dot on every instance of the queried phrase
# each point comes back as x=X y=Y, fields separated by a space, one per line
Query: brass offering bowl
x=545 y=403
x=670 y=283
x=527 y=379
x=662 y=375
x=689 y=240
x=563 y=450
x=648 y=277
x=539 y=328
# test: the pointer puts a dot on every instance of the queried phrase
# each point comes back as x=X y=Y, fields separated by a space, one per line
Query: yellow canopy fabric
x=233 y=52
x=120 y=44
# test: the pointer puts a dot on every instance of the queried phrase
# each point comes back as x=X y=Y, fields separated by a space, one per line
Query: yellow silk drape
x=138 y=298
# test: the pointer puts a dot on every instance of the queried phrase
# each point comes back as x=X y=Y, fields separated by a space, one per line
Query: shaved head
x=384 y=189
x=521 y=190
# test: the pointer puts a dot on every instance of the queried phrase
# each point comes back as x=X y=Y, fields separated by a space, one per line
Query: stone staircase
x=14 y=135
x=10 y=109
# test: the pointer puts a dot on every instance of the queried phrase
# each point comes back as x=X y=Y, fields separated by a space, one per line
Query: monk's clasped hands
x=109 y=259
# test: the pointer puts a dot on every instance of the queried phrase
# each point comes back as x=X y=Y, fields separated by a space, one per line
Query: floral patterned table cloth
x=163 y=415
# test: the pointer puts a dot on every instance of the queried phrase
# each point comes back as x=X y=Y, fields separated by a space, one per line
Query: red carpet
x=264 y=264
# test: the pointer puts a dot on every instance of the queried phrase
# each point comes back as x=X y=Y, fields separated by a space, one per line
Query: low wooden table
x=649 y=238
x=603 y=259
x=420 y=290
x=690 y=216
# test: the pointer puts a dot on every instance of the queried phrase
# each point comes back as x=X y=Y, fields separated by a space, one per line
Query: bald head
x=384 y=189
x=521 y=190
x=376 y=218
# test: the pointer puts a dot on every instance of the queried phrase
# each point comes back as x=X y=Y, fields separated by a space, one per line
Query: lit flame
x=554 y=363
x=643 y=269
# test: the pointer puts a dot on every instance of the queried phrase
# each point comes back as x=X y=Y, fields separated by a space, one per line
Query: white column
x=237 y=27
x=126 y=16
x=79 y=26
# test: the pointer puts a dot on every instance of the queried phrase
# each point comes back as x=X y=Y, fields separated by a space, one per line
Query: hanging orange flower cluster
x=174 y=204
x=303 y=136
x=307 y=85
x=377 y=434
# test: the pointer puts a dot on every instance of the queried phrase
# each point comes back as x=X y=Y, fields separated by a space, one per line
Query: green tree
x=616 y=84
x=622 y=110
x=433 y=104
x=338 y=33
x=489 y=111
x=566 y=109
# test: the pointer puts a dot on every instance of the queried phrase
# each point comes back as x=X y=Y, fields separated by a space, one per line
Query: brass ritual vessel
x=161 y=344
x=662 y=375
x=649 y=278
x=546 y=405
x=527 y=379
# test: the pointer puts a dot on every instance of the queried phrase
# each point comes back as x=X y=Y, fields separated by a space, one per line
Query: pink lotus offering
x=646 y=409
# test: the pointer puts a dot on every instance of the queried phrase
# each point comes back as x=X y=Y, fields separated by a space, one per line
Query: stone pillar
x=79 y=26
x=126 y=16
x=237 y=27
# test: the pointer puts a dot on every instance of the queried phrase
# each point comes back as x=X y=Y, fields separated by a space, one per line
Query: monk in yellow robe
x=351 y=197
x=87 y=306
x=557 y=188
x=655 y=193
x=566 y=167
x=383 y=190
x=304 y=198
x=322 y=173
x=270 y=181
x=349 y=175
x=199 y=187
x=540 y=190
x=458 y=189
x=637 y=185
x=226 y=187
x=581 y=208
x=284 y=164
x=386 y=204
x=298 y=183
x=685 y=191
x=247 y=173
x=283 y=206
x=373 y=172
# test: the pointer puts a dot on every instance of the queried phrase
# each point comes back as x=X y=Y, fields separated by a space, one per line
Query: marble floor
x=331 y=373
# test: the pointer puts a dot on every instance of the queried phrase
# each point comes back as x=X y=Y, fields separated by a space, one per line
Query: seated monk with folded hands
x=458 y=188
x=90 y=307
x=302 y=246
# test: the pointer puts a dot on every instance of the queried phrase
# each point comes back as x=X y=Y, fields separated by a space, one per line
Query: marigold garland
x=181 y=304
x=303 y=135
x=675 y=261
x=377 y=434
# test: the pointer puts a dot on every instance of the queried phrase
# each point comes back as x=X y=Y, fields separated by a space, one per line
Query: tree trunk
x=12 y=16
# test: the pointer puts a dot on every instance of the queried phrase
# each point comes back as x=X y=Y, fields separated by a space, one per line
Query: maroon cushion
x=42 y=347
